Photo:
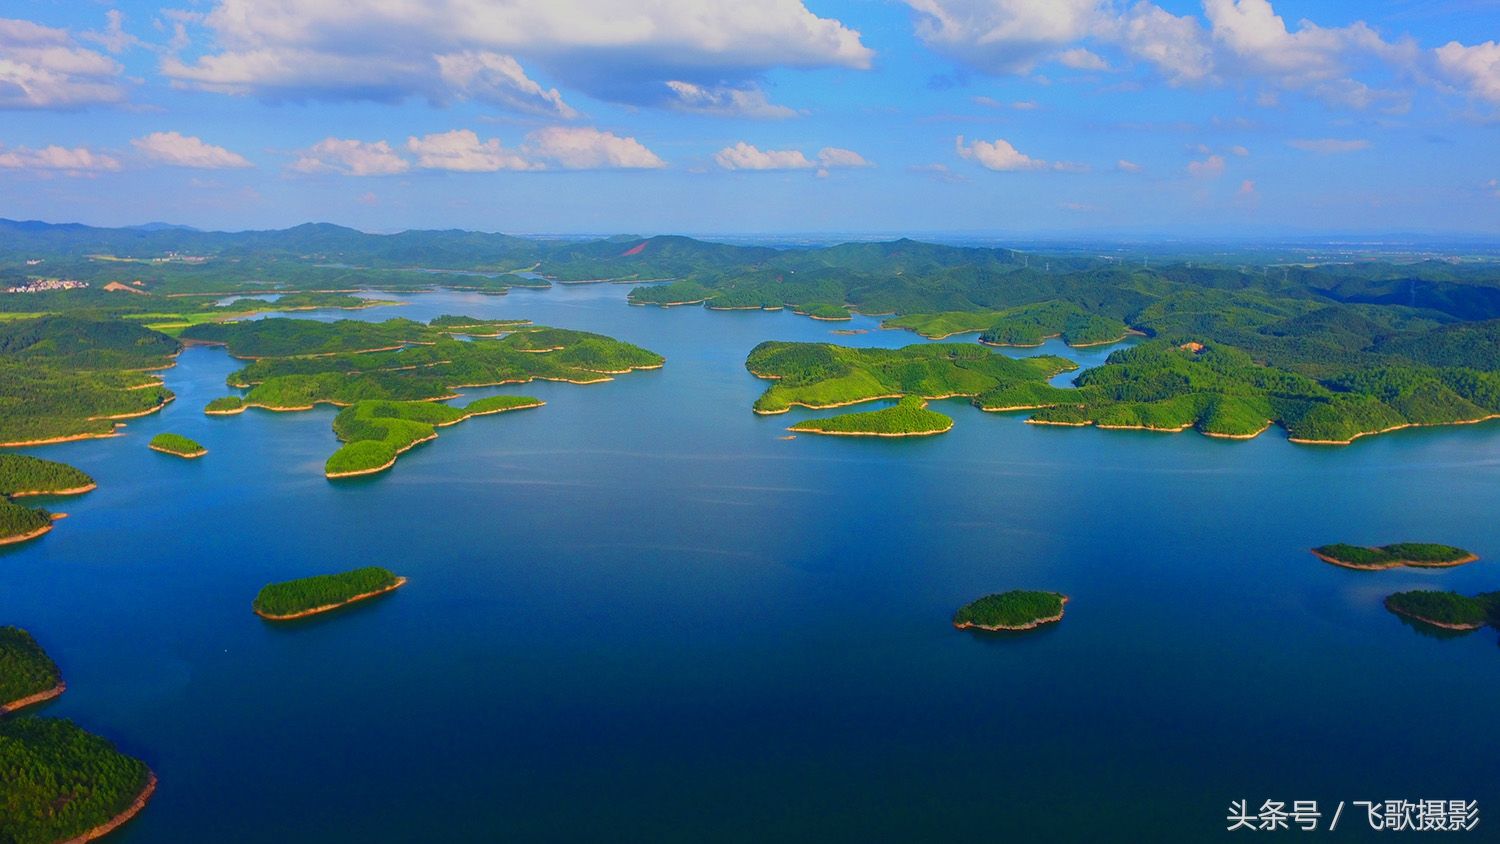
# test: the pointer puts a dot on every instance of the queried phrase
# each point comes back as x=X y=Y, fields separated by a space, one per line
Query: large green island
x=1413 y=554
x=907 y=418
x=1017 y=609
x=1448 y=610
x=376 y=431
x=323 y=593
x=63 y=784
x=389 y=377
x=824 y=375
x=28 y=676
x=21 y=476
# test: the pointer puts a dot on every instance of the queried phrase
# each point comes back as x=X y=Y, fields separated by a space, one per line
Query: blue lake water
x=638 y=614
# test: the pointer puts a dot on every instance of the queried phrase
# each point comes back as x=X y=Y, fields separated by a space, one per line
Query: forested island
x=28 y=676
x=323 y=593
x=376 y=431
x=62 y=784
x=1413 y=554
x=177 y=445
x=72 y=377
x=1448 y=610
x=822 y=375
x=1329 y=351
x=907 y=418
x=1017 y=609
x=1025 y=325
x=389 y=376
x=22 y=475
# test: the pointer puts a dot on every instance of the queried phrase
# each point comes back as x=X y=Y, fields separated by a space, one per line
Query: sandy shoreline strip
x=32 y=700
x=77 y=490
x=23 y=537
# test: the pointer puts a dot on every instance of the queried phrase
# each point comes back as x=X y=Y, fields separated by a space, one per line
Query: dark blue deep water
x=636 y=614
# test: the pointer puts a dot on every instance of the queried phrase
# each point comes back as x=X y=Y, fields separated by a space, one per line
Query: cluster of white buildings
x=42 y=285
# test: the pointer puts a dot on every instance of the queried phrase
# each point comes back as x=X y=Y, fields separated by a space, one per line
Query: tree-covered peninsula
x=390 y=395
x=1017 y=609
x=1024 y=325
x=177 y=445
x=821 y=375
x=27 y=674
x=60 y=783
x=1396 y=555
x=68 y=377
x=1449 y=610
x=909 y=417
x=22 y=475
x=375 y=431
x=323 y=593
x=426 y=363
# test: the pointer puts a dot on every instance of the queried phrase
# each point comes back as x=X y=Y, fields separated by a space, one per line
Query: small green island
x=375 y=432
x=61 y=783
x=1448 y=610
x=323 y=593
x=28 y=676
x=1413 y=554
x=177 y=445
x=22 y=475
x=1017 y=609
x=226 y=406
x=909 y=417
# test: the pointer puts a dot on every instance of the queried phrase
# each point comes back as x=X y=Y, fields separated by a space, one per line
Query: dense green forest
x=178 y=445
x=58 y=782
x=18 y=521
x=1017 y=609
x=25 y=669
x=431 y=366
x=1416 y=554
x=375 y=431
x=309 y=593
x=907 y=418
x=1447 y=609
x=820 y=375
x=22 y=474
x=1328 y=351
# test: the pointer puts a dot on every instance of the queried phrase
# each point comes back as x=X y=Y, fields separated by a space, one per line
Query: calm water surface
x=637 y=614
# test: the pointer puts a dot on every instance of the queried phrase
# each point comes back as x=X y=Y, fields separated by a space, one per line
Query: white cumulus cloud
x=725 y=101
x=350 y=157
x=586 y=148
x=1209 y=168
x=42 y=67
x=998 y=154
x=461 y=150
x=178 y=150
x=74 y=161
x=1474 y=69
x=743 y=156
x=446 y=49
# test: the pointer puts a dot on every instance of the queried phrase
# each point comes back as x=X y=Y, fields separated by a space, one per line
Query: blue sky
x=1221 y=118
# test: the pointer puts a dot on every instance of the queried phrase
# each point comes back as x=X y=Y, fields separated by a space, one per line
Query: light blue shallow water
x=638 y=614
